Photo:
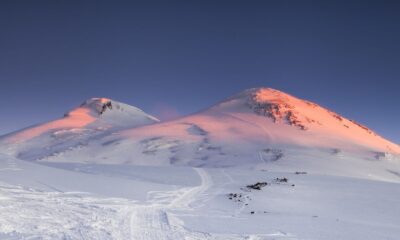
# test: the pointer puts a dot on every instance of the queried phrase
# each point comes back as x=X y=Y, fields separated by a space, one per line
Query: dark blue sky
x=187 y=55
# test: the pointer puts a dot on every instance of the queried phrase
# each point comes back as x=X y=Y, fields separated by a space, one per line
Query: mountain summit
x=281 y=107
x=256 y=126
x=94 y=118
x=94 y=113
x=113 y=113
x=316 y=125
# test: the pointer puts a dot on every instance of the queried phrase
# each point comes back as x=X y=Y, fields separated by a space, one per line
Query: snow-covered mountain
x=259 y=127
x=300 y=122
x=260 y=165
x=93 y=119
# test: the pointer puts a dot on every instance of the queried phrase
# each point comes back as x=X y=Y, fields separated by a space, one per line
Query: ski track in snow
x=31 y=214
x=75 y=215
x=155 y=222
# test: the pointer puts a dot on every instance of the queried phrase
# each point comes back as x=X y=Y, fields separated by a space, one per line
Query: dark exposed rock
x=281 y=180
x=278 y=112
x=105 y=106
x=273 y=154
x=257 y=186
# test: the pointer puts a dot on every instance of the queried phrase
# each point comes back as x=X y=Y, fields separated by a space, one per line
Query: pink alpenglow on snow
x=77 y=118
x=94 y=114
x=308 y=116
x=257 y=124
x=268 y=116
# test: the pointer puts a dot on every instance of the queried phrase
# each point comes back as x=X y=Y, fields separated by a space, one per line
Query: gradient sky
x=174 y=58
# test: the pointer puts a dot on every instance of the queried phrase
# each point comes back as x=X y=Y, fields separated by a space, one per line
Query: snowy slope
x=319 y=127
x=93 y=119
x=109 y=171
x=272 y=117
x=152 y=203
x=259 y=128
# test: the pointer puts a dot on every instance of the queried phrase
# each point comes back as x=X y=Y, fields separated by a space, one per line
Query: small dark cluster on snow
x=238 y=197
x=292 y=120
x=235 y=197
x=310 y=120
x=281 y=180
x=105 y=106
x=335 y=115
x=277 y=112
x=260 y=185
x=363 y=127
x=298 y=173
x=253 y=212
x=380 y=155
x=257 y=186
x=273 y=154
x=245 y=199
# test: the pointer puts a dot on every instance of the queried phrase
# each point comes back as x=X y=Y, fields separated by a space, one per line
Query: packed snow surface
x=260 y=165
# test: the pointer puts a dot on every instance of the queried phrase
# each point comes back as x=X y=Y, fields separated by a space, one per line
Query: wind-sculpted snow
x=59 y=215
x=31 y=214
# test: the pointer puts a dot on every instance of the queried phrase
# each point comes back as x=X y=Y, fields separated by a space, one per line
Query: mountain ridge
x=283 y=108
x=265 y=121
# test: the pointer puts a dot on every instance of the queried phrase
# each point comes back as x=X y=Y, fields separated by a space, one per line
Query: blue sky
x=184 y=56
